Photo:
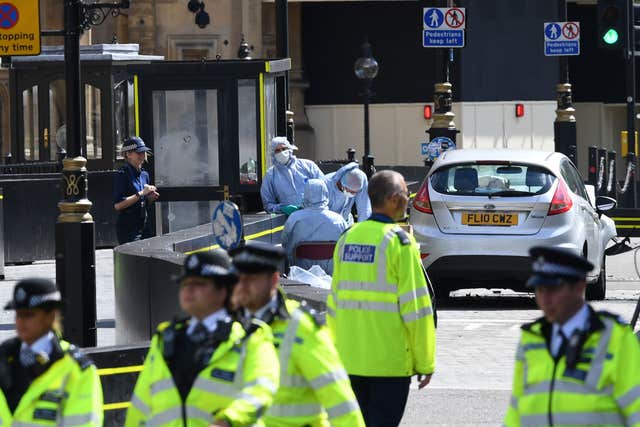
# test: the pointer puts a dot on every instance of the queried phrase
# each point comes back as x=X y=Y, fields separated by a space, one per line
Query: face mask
x=348 y=194
x=283 y=156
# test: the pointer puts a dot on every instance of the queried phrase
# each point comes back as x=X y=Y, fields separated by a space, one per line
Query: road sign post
x=443 y=27
x=563 y=39
x=19 y=27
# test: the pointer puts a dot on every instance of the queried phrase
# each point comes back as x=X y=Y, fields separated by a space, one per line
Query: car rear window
x=485 y=179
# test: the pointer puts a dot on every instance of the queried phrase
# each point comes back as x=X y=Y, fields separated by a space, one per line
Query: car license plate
x=502 y=219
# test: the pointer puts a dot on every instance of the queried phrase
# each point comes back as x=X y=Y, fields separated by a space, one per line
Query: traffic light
x=612 y=23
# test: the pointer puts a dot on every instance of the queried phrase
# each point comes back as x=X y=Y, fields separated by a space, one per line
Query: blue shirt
x=128 y=180
x=579 y=322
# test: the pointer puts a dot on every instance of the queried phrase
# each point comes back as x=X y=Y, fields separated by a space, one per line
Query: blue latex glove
x=289 y=209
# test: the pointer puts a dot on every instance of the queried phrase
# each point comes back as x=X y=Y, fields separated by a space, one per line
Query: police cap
x=257 y=257
x=554 y=266
x=214 y=265
x=35 y=293
x=134 y=143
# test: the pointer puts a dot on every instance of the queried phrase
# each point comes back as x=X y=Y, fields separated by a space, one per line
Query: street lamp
x=366 y=69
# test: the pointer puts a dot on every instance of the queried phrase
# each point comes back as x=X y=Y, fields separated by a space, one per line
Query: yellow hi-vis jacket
x=314 y=388
x=601 y=387
x=237 y=385
x=379 y=309
x=67 y=394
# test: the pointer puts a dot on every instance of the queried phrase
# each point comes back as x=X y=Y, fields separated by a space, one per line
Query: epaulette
x=177 y=323
x=613 y=316
x=403 y=236
x=82 y=359
x=10 y=347
x=313 y=313
x=253 y=326
x=529 y=326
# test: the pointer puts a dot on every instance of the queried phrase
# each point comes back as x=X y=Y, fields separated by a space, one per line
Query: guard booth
x=208 y=123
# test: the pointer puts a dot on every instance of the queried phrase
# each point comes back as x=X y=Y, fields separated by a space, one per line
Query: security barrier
x=118 y=368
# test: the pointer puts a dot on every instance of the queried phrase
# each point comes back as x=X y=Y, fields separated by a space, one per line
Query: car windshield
x=492 y=179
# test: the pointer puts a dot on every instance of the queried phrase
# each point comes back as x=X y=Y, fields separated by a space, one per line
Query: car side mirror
x=604 y=204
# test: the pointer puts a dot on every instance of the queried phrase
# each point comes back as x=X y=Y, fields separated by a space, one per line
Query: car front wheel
x=596 y=291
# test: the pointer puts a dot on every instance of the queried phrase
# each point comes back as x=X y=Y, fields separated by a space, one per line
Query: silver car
x=478 y=212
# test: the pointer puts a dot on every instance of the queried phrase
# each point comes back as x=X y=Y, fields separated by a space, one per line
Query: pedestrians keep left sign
x=19 y=27
x=227 y=225
x=443 y=26
x=561 y=38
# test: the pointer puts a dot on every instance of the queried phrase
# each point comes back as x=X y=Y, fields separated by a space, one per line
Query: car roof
x=545 y=159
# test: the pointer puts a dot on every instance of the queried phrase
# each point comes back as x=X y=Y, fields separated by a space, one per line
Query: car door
x=586 y=211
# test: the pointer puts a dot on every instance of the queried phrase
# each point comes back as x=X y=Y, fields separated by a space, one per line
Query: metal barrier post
x=592 y=177
x=602 y=171
x=612 y=176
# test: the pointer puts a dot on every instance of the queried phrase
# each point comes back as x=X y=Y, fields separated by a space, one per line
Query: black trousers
x=381 y=399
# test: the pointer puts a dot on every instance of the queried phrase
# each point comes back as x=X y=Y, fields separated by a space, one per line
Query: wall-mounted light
x=202 y=18
x=519 y=110
x=193 y=6
x=428 y=112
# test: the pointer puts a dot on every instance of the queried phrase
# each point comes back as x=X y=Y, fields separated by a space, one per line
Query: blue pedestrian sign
x=443 y=26
x=561 y=38
x=227 y=225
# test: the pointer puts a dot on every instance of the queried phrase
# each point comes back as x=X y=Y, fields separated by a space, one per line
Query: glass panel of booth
x=185 y=138
x=176 y=216
x=93 y=121
x=271 y=114
x=57 y=114
x=124 y=114
x=31 y=123
x=247 y=131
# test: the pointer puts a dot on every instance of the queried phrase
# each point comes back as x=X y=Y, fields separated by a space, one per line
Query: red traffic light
x=519 y=110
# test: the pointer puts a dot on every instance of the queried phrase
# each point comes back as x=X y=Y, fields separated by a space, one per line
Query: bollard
x=573 y=154
x=612 y=175
x=592 y=176
x=602 y=172
x=351 y=155
x=631 y=200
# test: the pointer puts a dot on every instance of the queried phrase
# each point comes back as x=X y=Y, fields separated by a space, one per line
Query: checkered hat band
x=36 y=300
x=129 y=147
x=213 y=270
x=550 y=268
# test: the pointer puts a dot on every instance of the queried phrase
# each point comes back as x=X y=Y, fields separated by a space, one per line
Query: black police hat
x=134 y=143
x=211 y=265
x=257 y=257
x=35 y=293
x=554 y=266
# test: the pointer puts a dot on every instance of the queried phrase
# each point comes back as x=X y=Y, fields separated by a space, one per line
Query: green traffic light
x=611 y=36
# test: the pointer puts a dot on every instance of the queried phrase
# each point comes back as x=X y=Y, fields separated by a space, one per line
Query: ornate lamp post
x=75 y=230
x=366 y=69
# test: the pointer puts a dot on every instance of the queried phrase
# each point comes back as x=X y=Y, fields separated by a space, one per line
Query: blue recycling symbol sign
x=433 y=18
x=552 y=31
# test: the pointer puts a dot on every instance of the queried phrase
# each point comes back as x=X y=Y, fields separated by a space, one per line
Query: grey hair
x=383 y=185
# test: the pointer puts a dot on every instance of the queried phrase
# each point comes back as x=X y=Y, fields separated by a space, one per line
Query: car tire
x=596 y=291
